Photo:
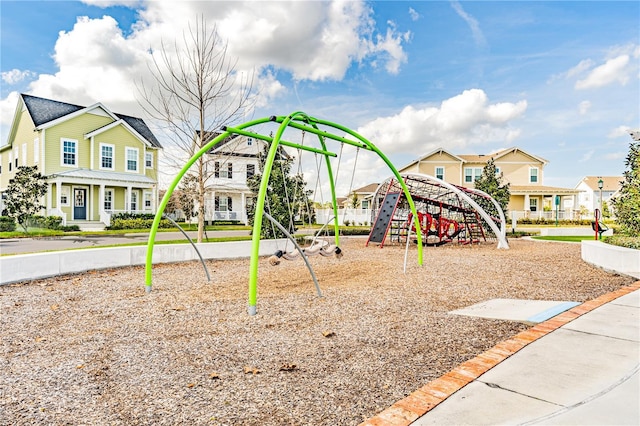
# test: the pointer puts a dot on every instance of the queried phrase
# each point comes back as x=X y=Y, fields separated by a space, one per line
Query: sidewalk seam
x=425 y=399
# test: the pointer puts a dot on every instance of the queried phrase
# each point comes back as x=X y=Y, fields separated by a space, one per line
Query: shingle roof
x=610 y=183
x=44 y=110
x=370 y=188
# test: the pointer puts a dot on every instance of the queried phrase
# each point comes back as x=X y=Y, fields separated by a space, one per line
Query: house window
x=148 y=160
x=132 y=159
x=249 y=141
x=10 y=160
x=106 y=156
x=64 y=195
x=498 y=171
x=15 y=156
x=440 y=173
x=251 y=170
x=220 y=172
x=108 y=200
x=147 y=201
x=134 y=201
x=365 y=204
x=24 y=154
x=36 y=150
x=533 y=204
x=472 y=174
x=533 y=175
x=223 y=204
x=69 y=152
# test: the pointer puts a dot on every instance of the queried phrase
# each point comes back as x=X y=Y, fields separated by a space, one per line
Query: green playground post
x=257 y=220
x=167 y=196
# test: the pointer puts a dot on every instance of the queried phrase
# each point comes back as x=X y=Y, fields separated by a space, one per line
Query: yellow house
x=96 y=162
x=522 y=170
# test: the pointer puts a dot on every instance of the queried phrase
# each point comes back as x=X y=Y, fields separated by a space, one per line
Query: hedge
x=7 y=224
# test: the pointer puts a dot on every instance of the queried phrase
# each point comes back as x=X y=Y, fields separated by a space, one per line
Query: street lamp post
x=600 y=185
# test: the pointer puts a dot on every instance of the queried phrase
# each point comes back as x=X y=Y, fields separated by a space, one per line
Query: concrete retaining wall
x=566 y=232
x=42 y=265
x=612 y=258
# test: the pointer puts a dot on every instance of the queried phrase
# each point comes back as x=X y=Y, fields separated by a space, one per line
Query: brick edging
x=423 y=400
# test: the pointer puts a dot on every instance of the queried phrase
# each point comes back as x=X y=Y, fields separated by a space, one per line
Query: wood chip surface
x=95 y=349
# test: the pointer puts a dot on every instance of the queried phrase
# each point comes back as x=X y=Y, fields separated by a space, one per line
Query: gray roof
x=45 y=110
x=104 y=175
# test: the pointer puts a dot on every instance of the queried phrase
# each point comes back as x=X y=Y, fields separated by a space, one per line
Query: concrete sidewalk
x=581 y=367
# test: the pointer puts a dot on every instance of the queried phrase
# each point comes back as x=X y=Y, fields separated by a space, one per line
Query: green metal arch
x=298 y=120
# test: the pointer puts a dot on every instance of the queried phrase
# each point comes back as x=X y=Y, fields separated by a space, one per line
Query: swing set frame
x=297 y=120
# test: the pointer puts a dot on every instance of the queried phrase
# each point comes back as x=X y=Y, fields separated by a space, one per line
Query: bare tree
x=195 y=90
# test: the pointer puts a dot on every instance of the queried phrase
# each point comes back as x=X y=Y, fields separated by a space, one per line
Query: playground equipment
x=445 y=213
x=300 y=122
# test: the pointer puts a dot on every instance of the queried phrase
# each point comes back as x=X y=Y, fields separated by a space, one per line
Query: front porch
x=86 y=196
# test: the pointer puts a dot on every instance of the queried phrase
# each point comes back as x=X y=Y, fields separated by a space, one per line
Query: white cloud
x=611 y=71
x=472 y=22
x=463 y=120
x=583 y=66
x=587 y=156
x=7 y=109
x=615 y=155
x=584 y=107
x=313 y=41
x=619 y=132
x=414 y=15
x=16 y=76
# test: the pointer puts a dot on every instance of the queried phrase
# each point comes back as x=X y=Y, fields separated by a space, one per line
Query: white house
x=591 y=194
x=234 y=161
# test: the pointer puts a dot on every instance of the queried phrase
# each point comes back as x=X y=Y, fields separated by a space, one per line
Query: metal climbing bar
x=282 y=142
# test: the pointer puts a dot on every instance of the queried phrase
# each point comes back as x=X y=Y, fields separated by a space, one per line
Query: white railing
x=550 y=215
x=105 y=217
x=353 y=216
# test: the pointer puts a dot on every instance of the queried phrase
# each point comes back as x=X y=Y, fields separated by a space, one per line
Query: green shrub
x=53 y=222
x=623 y=240
x=130 y=221
x=7 y=224
x=69 y=228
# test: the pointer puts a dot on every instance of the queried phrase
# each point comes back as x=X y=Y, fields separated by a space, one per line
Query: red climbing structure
x=446 y=213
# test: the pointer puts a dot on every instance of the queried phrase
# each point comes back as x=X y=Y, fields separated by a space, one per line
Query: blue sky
x=560 y=80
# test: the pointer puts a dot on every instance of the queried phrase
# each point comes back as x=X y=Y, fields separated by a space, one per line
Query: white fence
x=353 y=216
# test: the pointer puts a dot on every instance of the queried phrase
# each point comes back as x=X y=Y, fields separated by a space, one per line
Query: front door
x=79 y=204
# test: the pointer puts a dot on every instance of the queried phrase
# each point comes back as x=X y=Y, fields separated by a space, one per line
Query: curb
x=423 y=400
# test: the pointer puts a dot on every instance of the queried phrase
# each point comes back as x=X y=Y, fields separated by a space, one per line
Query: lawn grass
x=41 y=232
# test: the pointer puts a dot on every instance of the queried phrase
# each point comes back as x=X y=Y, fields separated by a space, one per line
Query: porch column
x=127 y=200
x=49 y=197
x=101 y=200
x=527 y=205
x=154 y=198
x=243 y=214
x=213 y=204
x=59 y=196
x=89 y=200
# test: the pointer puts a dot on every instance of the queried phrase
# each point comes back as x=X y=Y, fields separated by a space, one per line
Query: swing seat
x=274 y=260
